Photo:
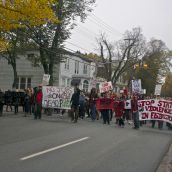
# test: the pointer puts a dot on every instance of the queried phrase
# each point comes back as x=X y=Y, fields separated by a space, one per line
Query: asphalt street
x=54 y=144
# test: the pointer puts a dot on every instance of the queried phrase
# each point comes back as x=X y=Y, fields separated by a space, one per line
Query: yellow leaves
x=19 y=13
x=4 y=45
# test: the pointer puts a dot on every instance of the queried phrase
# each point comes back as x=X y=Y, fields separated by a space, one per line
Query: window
x=63 y=82
x=85 y=69
x=76 y=67
x=67 y=64
x=30 y=56
x=28 y=82
x=23 y=82
x=68 y=82
x=85 y=85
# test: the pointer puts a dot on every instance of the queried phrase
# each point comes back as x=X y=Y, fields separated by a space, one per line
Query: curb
x=166 y=163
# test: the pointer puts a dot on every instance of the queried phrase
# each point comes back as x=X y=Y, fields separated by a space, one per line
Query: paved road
x=104 y=148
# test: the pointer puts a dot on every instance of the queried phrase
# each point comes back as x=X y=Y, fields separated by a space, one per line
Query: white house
x=75 y=70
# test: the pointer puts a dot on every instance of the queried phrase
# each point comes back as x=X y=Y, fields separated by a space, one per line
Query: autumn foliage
x=19 y=13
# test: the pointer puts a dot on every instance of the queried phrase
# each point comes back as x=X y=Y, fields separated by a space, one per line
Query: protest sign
x=45 y=80
x=155 y=109
x=127 y=104
x=105 y=103
x=158 y=90
x=106 y=86
x=57 y=97
x=136 y=86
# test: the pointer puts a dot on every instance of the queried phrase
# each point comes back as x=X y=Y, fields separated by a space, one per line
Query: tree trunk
x=51 y=67
x=15 y=74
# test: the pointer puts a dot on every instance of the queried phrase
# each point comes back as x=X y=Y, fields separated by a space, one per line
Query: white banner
x=106 y=86
x=136 y=86
x=57 y=97
x=45 y=80
x=158 y=90
x=155 y=110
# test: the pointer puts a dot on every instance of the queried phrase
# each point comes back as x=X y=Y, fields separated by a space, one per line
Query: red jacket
x=119 y=109
x=39 y=98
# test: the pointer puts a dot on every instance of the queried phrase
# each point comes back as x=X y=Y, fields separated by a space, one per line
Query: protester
x=135 y=112
x=27 y=101
x=75 y=105
x=119 y=112
x=92 y=102
x=8 y=100
x=2 y=101
x=105 y=112
x=82 y=102
x=38 y=103
x=127 y=109
x=16 y=102
x=87 y=107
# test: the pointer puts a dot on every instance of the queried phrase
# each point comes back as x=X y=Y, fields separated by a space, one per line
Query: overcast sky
x=114 y=17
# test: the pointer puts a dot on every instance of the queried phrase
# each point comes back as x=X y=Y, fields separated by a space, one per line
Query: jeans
x=105 y=115
x=93 y=112
x=136 y=119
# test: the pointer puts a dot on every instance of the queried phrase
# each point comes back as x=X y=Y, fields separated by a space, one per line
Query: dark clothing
x=2 y=101
x=126 y=114
x=38 y=105
x=38 y=109
x=75 y=106
x=27 y=103
x=16 y=103
x=105 y=115
x=75 y=99
x=134 y=105
x=136 y=119
x=135 y=112
x=82 y=102
x=74 y=113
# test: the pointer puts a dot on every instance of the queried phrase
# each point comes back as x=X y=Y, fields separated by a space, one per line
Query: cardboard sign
x=136 y=86
x=155 y=109
x=106 y=86
x=45 y=80
x=57 y=97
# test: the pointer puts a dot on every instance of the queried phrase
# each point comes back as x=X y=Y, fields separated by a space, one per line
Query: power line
x=77 y=46
x=107 y=25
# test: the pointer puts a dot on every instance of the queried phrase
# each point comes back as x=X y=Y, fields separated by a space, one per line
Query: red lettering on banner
x=165 y=104
x=146 y=103
x=145 y=115
x=147 y=108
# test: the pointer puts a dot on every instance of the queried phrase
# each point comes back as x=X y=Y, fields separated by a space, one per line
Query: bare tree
x=117 y=58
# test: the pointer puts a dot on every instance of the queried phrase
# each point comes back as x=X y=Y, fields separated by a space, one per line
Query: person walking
x=92 y=102
x=135 y=112
x=27 y=101
x=8 y=100
x=38 y=103
x=105 y=112
x=82 y=102
x=2 y=101
x=16 y=102
x=75 y=105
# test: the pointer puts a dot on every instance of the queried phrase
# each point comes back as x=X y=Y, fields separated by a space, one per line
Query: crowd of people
x=83 y=105
x=30 y=100
x=125 y=108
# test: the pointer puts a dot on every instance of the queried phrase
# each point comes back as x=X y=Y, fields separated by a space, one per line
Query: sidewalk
x=166 y=163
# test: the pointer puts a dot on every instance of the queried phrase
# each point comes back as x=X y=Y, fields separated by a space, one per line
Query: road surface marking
x=54 y=148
